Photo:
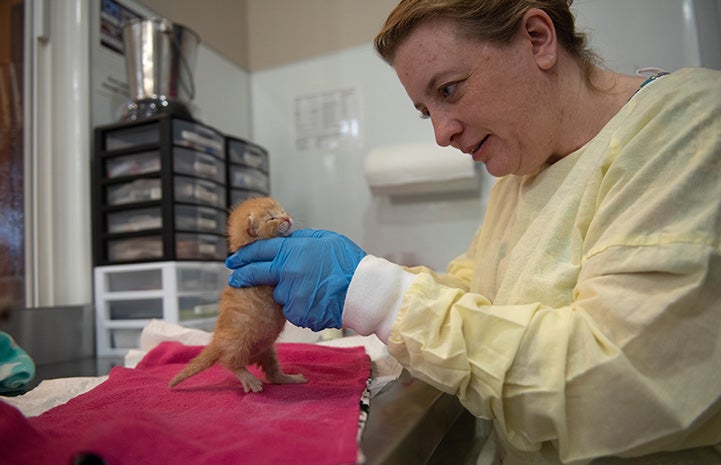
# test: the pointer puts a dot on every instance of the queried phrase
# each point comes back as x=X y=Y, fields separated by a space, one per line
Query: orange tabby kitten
x=249 y=321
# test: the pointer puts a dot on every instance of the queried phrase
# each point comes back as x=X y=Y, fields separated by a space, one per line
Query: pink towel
x=134 y=419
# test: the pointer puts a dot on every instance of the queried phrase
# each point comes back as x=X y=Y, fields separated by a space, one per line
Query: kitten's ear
x=252 y=231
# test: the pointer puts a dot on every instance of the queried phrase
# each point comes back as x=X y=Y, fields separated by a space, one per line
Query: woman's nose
x=446 y=128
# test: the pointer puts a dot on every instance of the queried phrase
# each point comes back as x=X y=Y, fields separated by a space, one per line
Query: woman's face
x=487 y=100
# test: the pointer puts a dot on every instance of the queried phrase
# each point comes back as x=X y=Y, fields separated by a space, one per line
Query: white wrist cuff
x=374 y=296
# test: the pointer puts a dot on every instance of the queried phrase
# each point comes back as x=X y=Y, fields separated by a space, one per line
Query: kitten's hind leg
x=250 y=382
x=269 y=363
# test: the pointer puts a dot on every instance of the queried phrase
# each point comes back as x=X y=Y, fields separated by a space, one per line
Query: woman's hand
x=310 y=269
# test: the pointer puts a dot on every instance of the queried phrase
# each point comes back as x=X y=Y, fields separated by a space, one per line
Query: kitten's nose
x=285 y=225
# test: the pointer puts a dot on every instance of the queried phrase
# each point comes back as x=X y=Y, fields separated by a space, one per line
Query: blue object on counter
x=16 y=367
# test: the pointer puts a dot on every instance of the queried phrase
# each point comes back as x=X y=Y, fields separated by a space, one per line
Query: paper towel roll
x=421 y=168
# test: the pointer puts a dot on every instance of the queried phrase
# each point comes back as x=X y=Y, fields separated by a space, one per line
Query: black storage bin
x=248 y=170
x=159 y=191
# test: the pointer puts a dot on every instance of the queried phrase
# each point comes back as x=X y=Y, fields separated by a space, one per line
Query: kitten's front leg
x=269 y=363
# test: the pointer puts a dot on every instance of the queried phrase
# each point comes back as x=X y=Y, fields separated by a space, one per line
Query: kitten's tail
x=204 y=360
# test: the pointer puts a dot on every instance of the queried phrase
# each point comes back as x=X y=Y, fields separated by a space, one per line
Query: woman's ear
x=539 y=29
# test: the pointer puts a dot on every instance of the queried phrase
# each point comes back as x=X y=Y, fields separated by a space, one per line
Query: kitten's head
x=257 y=218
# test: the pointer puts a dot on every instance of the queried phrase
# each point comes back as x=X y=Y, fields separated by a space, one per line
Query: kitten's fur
x=249 y=321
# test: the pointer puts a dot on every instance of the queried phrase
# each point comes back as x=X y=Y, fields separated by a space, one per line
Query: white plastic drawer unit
x=128 y=296
x=139 y=309
x=190 y=277
x=131 y=278
x=194 y=307
x=189 y=308
x=205 y=277
x=123 y=339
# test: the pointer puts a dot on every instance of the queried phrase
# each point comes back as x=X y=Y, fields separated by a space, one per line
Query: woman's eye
x=448 y=89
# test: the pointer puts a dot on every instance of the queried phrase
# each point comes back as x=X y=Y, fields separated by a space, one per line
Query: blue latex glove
x=310 y=269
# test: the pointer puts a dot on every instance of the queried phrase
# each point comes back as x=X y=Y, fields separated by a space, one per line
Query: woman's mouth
x=475 y=152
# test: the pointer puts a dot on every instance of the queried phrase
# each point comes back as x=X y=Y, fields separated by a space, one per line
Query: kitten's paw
x=254 y=385
x=250 y=382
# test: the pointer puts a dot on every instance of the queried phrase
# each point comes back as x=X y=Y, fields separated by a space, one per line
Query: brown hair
x=485 y=20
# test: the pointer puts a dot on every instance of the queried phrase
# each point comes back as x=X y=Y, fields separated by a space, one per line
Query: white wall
x=668 y=34
x=222 y=94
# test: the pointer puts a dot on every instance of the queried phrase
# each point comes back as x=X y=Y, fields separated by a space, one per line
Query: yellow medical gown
x=586 y=313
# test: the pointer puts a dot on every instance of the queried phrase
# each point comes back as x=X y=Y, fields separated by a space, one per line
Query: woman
x=584 y=318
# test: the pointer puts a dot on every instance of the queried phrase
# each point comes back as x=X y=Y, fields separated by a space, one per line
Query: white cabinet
x=128 y=296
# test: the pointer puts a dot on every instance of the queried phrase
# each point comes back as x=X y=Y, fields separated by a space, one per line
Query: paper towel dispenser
x=420 y=168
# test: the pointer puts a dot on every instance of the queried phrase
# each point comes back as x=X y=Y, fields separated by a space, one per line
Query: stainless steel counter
x=413 y=423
